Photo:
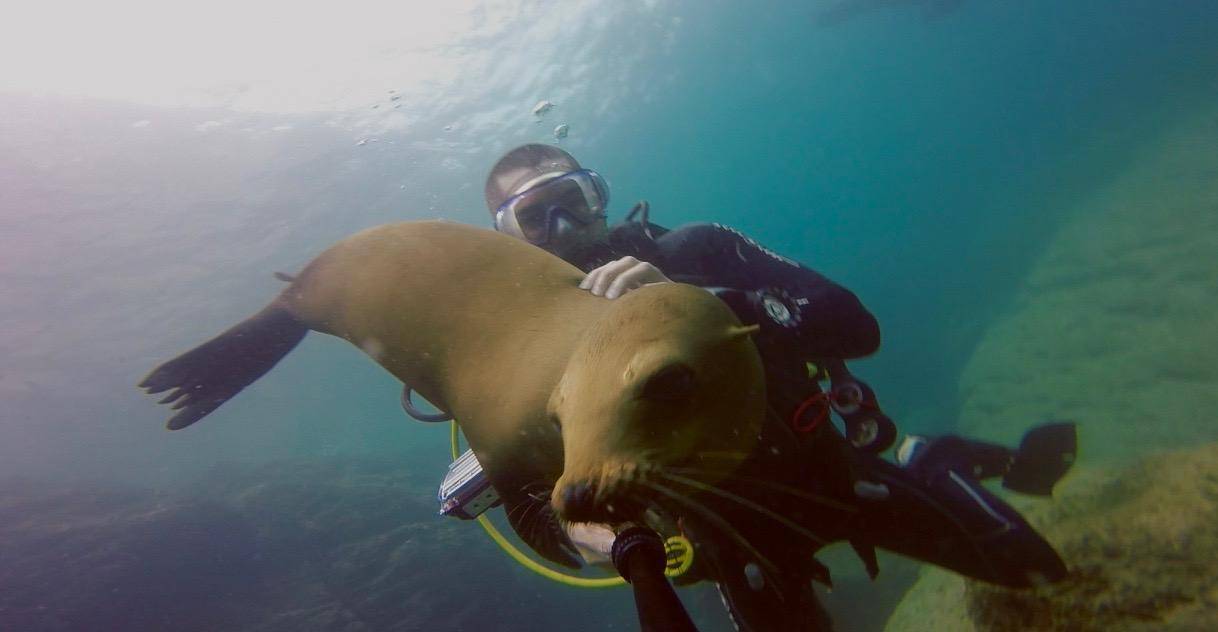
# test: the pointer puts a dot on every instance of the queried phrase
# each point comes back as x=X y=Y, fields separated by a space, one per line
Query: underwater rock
x=78 y=559
x=1140 y=543
x=1116 y=325
x=335 y=544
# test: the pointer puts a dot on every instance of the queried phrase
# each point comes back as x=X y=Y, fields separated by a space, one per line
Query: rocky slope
x=1140 y=543
x=1116 y=328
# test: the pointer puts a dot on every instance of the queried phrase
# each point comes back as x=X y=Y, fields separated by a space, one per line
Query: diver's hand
x=618 y=277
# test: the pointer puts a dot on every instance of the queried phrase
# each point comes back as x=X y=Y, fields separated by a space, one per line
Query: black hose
x=408 y=406
x=638 y=553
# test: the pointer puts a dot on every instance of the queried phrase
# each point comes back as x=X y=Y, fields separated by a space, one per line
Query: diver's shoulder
x=708 y=235
x=708 y=230
x=699 y=232
x=722 y=234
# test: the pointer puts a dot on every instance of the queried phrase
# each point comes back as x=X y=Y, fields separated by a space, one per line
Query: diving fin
x=1045 y=455
x=534 y=521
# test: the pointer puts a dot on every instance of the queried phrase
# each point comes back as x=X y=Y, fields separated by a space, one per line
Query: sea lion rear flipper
x=212 y=373
x=535 y=523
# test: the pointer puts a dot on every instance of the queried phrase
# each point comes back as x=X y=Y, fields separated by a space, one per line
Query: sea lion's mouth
x=608 y=502
x=624 y=492
x=620 y=490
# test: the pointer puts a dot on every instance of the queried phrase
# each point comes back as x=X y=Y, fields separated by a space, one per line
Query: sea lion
x=554 y=388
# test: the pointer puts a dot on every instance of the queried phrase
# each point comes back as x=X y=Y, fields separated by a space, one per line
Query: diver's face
x=568 y=237
x=564 y=215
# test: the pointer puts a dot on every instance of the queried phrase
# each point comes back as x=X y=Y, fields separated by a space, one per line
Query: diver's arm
x=829 y=320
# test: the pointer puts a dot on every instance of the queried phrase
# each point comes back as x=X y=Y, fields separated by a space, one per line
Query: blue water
x=918 y=152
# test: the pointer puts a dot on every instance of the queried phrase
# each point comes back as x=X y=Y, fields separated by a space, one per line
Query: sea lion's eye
x=674 y=382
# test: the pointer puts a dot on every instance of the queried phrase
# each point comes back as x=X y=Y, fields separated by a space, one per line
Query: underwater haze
x=1024 y=193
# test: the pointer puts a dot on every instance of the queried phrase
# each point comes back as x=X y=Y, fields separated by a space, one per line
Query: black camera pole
x=638 y=554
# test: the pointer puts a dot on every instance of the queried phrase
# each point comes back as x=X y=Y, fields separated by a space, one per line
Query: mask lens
x=601 y=189
x=580 y=196
x=535 y=210
x=534 y=220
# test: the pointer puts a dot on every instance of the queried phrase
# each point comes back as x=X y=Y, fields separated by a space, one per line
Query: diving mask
x=578 y=196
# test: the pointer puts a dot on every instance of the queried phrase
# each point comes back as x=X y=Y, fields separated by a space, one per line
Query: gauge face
x=864 y=432
x=777 y=310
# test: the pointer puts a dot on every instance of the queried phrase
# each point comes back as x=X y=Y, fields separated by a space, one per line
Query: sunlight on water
x=289 y=57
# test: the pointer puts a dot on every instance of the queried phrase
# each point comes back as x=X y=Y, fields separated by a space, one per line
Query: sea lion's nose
x=577 y=498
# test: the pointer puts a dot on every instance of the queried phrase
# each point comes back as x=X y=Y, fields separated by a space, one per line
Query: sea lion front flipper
x=534 y=521
x=212 y=373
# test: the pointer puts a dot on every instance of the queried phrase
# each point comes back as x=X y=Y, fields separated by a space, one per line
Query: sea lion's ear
x=644 y=362
x=742 y=330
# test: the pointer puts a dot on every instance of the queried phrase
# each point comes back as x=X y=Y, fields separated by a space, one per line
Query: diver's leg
x=977 y=459
x=1044 y=456
x=950 y=520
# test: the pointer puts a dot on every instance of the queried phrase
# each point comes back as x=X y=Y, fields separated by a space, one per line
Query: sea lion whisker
x=714 y=519
x=528 y=514
x=779 y=487
x=522 y=508
x=642 y=471
x=723 y=454
x=539 y=490
x=711 y=489
x=539 y=509
x=534 y=520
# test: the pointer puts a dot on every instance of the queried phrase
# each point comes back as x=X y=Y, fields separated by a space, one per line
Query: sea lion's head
x=667 y=380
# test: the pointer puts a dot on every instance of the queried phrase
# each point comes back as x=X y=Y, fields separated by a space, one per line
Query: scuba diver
x=816 y=484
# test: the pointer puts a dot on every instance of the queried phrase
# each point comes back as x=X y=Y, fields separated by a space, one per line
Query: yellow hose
x=528 y=562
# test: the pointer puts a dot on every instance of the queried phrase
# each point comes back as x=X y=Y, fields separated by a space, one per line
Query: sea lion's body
x=546 y=380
